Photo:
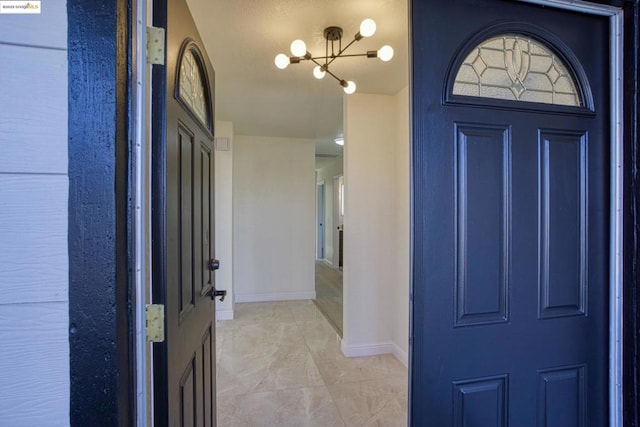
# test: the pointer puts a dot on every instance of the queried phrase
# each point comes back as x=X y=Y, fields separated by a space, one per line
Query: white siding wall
x=274 y=218
x=34 y=347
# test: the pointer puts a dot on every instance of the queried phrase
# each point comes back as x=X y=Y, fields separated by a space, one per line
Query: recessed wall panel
x=561 y=397
x=480 y=402
x=483 y=214
x=206 y=226
x=207 y=378
x=188 y=406
x=563 y=239
x=186 y=145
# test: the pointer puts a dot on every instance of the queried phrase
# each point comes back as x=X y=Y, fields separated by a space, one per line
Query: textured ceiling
x=242 y=38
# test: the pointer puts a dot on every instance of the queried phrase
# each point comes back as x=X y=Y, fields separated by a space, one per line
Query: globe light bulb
x=385 y=53
x=282 y=61
x=298 y=48
x=367 y=28
x=318 y=72
x=350 y=87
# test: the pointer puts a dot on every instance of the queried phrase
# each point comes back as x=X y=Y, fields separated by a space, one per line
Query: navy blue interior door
x=511 y=215
x=183 y=223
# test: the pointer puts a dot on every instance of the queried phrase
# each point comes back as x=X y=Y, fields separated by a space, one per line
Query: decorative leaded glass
x=192 y=87
x=516 y=67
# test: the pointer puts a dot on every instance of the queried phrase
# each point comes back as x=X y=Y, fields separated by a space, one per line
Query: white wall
x=34 y=339
x=402 y=203
x=376 y=245
x=274 y=218
x=224 y=220
x=326 y=174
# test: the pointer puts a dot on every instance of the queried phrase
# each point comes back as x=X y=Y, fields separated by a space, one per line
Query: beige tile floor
x=280 y=364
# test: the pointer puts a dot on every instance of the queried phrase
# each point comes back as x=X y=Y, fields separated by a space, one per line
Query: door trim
x=101 y=319
x=321 y=217
x=616 y=16
x=141 y=200
x=335 y=257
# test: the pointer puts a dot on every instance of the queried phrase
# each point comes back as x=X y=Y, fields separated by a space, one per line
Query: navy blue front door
x=510 y=215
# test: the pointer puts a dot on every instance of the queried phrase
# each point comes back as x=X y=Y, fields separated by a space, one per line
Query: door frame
x=102 y=384
x=141 y=199
x=97 y=65
x=335 y=259
x=321 y=220
x=617 y=192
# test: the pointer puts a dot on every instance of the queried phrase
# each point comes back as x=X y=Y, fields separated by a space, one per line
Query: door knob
x=216 y=293
x=214 y=265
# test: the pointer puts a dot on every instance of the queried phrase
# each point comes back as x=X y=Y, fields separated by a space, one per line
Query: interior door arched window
x=193 y=84
x=517 y=67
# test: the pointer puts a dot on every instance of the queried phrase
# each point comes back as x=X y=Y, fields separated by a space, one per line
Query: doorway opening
x=328 y=269
x=320 y=220
x=325 y=200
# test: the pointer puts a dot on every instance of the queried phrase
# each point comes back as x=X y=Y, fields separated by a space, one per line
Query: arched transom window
x=192 y=89
x=519 y=68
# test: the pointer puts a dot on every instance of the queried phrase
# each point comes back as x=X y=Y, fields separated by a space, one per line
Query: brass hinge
x=155 y=45
x=155 y=322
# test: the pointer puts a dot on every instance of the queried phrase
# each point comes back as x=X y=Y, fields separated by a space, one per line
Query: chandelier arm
x=352 y=55
x=315 y=59
x=326 y=51
x=333 y=75
x=316 y=62
x=342 y=50
x=322 y=58
x=325 y=68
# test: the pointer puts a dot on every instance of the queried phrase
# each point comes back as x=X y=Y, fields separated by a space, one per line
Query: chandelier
x=333 y=37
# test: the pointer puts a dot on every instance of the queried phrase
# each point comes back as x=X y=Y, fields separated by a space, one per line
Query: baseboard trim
x=224 y=315
x=400 y=354
x=328 y=262
x=362 y=350
x=278 y=296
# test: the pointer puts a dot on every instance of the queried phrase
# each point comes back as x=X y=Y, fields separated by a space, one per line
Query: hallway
x=329 y=293
x=280 y=364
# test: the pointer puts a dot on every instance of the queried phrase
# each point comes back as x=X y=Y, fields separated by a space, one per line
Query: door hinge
x=155 y=45
x=155 y=322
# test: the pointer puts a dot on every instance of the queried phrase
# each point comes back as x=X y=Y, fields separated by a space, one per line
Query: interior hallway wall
x=326 y=174
x=376 y=245
x=402 y=203
x=224 y=220
x=34 y=188
x=274 y=218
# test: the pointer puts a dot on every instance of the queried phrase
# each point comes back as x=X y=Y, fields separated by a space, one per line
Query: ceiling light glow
x=350 y=87
x=298 y=48
x=368 y=28
x=318 y=72
x=282 y=61
x=385 y=53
